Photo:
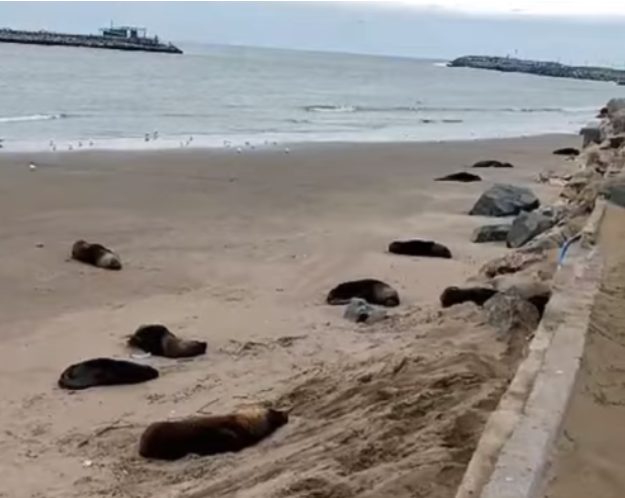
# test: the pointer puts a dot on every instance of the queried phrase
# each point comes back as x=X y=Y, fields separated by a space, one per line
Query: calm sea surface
x=74 y=96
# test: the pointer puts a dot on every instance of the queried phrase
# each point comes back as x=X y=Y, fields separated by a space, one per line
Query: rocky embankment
x=540 y=68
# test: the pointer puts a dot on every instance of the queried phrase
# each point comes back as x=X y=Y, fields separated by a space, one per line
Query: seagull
x=239 y=150
x=287 y=150
x=155 y=135
x=90 y=143
x=32 y=166
x=147 y=137
x=79 y=144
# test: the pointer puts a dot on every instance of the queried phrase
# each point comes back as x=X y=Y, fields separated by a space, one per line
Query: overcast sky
x=568 y=30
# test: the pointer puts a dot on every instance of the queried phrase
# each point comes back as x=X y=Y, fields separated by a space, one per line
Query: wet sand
x=239 y=251
x=590 y=454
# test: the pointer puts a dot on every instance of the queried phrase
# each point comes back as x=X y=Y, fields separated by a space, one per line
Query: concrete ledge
x=511 y=457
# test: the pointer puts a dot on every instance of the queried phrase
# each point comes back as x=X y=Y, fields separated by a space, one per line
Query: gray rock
x=591 y=134
x=530 y=288
x=360 y=311
x=508 y=312
x=526 y=226
x=505 y=200
x=490 y=233
x=615 y=105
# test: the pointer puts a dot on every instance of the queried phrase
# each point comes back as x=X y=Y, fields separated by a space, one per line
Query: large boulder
x=490 y=233
x=556 y=236
x=510 y=263
x=592 y=134
x=529 y=287
x=526 y=226
x=615 y=105
x=508 y=312
x=505 y=200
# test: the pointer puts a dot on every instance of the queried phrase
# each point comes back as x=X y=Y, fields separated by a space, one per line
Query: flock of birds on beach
x=227 y=144
x=153 y=136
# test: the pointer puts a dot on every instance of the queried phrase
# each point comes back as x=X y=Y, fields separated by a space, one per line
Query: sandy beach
x=239 y=250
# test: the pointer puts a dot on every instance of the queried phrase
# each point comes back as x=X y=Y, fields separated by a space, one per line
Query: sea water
x=63 y=97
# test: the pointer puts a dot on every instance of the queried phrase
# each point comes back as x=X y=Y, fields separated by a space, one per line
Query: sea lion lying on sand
x=96 y=255
x=489 y=163
x=566 y=151
x=105 y=372
x=159 y=341
x=456 y=295
x=462 y=176
x=371 y=290
x=419 y=248
x=210 y=435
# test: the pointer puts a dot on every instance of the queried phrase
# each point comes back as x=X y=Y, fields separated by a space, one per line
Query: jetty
x=114 y=38
x=540 y=68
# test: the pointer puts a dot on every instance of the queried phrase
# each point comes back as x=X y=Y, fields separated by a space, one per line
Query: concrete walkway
x=590 y=456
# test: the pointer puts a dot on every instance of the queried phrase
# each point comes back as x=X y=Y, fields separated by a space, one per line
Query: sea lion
x=419 y=248
x=105 y=372
x=462 y=176
x=489 y=163
x=210 y=435
x=456 y=295
x=159 y=341
x=566 y=151
x=371 y=290
x=96 y=255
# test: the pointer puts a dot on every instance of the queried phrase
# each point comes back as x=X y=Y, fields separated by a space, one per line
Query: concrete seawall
x=512 y=455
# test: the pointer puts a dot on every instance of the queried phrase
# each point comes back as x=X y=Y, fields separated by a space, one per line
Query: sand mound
x=401 y=424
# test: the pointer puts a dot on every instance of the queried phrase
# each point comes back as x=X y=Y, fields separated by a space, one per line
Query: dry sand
x=590 y=454
x=240 y=250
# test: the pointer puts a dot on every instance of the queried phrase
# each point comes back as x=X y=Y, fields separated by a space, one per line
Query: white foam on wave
x=31 y=117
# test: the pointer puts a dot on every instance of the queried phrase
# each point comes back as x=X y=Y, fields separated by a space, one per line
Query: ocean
x=62 y=98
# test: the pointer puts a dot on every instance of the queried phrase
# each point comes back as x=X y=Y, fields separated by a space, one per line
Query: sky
x=571 y=31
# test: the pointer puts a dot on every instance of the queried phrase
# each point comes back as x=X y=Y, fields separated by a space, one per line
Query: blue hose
x=566 y=246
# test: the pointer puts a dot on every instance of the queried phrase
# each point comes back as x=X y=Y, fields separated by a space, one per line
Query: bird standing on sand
x=32 y=166
x=147 y=137
x=239 y=150
x=155 y=135
x=287 y=150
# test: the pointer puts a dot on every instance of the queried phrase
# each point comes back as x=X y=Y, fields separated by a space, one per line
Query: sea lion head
x=110 y=261
x=261 y=421
x=440 y=251
x=450 y=296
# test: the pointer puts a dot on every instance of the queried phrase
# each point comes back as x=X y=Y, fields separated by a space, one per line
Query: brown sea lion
x=159 y=341
x=490 y=163
x=371 y=290
x=456 y=295
x=566 y=151
x=462 y=176
x=105 y=372
x=419 y=248
x=96 y=255
x=210 y=435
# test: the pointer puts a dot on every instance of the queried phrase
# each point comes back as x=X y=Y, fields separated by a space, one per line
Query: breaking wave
x=420 y=108
x=31 y=117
